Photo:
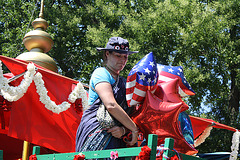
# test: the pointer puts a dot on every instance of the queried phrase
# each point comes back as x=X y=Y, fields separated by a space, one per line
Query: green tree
x=15 y=19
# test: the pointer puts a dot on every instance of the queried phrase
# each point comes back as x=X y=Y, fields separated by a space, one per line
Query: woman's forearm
x=105 y=92
x=117 y=112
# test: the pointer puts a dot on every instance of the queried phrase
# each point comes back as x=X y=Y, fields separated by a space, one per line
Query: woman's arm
x=104 y=90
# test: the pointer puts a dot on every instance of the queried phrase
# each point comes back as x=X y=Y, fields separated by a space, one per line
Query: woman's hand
x=134 y=138
x=116 y=131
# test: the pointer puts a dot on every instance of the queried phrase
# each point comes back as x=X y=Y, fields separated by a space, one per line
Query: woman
x=107 y=87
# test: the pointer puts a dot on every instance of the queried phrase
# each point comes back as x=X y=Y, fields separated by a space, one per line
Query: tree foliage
x=201 y=36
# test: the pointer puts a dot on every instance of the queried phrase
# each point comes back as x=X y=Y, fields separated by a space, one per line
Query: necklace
x=113 y=74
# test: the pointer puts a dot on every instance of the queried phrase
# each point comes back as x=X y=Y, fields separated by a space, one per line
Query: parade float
x=40 y=109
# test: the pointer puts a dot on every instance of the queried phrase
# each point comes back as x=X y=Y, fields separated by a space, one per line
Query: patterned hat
x=117 y=44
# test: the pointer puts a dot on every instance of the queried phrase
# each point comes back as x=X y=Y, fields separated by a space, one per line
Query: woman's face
x=116 y=61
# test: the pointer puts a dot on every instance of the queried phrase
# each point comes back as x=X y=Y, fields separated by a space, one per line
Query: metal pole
x=25 y=154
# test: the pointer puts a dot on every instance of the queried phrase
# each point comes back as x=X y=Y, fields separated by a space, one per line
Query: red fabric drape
x=31 y=121
x=200 y=124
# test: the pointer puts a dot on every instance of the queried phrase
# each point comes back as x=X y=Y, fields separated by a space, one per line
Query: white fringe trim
x=203 y=136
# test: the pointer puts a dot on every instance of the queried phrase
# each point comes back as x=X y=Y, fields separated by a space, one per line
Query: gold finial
x=38 y=43
x=41 y=10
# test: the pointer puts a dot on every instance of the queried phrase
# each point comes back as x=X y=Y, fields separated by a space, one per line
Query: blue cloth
x=186 y=127
x=99 y=75
x=90 y=136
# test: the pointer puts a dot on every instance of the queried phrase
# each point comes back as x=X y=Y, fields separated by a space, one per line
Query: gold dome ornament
x=38 y=43
x=38 y=57
x=40 y=23
x=38 y=39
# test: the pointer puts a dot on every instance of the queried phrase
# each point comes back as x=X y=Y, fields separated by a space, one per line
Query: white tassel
x=235 y=145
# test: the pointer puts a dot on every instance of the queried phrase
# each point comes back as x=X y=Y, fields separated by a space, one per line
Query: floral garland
x=144 y=154
x=14 y=93
x=45 y=99
x=203 y=136
x=235 y=145
x=11 y=93
x=77 y=92
x=80 y=156
x=113 y=155
x=33 y=157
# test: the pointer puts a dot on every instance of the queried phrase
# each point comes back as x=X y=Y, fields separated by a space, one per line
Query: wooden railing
x=127 y=153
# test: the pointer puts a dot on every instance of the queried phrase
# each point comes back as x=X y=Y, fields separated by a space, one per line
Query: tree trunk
x=234 y=96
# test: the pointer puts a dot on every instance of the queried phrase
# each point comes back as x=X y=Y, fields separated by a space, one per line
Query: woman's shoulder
x=100 y=71
x=101 y=75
